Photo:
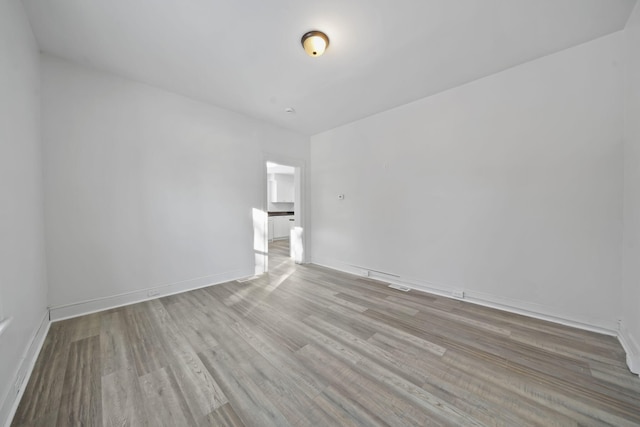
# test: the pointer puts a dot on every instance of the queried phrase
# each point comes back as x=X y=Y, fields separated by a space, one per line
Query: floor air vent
x=400 y=288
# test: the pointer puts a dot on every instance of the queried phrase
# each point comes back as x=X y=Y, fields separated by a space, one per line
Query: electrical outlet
x=153 y=293
x=458 y=294
x=364 y=273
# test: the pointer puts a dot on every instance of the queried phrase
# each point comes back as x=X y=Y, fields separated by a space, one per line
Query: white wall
x=145 y=188
x=22 y=268
x=509 y=188
x=631 y=263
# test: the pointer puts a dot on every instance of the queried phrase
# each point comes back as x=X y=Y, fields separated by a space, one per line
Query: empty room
x=333 y=213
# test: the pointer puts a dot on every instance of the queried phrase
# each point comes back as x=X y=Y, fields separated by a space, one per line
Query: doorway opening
x=284 y=208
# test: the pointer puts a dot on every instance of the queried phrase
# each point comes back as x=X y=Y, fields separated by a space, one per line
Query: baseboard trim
x=630 y=347
x=25 y=368
x=81 y=308
x=535 y=311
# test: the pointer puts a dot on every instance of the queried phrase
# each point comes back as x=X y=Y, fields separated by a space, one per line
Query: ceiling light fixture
x=315 y=43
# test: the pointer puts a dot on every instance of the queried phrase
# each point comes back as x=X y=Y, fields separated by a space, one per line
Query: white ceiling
x=245 y=55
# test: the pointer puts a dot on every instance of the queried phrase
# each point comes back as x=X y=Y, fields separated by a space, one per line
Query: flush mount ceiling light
x=315 y=43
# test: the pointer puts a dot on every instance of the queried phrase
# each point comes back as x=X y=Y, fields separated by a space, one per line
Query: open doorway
x=284 y=208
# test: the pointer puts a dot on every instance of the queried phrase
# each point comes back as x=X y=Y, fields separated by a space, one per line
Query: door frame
x=300 y=198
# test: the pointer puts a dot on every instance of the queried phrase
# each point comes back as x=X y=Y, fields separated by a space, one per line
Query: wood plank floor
x=306 y=346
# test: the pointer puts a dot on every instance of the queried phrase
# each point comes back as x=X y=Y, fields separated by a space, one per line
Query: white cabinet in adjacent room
x=282 y=226
x=281 y=187
x=270 y=227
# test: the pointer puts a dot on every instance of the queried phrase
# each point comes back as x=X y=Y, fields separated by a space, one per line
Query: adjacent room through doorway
x=284 y=234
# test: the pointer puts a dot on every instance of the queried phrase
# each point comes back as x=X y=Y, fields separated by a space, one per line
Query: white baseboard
x=631 y=347
x=524 y=308
x=81 y=308
x=27 y=362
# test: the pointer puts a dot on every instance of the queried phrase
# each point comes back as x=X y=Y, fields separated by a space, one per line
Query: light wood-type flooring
x=307 y=346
